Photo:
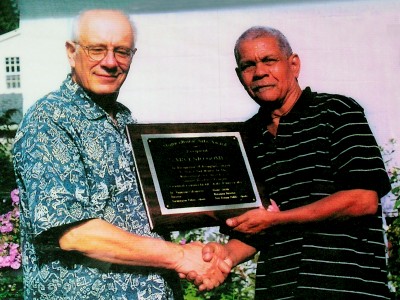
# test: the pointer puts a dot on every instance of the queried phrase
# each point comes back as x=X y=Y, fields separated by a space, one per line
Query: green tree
x=9 y=16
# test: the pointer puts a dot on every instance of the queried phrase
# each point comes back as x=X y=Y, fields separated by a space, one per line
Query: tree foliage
x=7 y=178
x=9 y=16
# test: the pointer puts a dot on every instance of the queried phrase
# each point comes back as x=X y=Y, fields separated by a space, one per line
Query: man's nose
x=261 y=70
x=109 y=60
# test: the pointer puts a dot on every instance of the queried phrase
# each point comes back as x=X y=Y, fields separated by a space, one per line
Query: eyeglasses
x=97 y=53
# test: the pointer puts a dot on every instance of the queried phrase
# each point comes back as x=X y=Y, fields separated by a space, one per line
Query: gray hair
x=263 y=31
x=75 y=32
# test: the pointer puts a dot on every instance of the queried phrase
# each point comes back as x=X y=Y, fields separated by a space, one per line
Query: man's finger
x=232 y=222
x=191 y=276
x=208 y=252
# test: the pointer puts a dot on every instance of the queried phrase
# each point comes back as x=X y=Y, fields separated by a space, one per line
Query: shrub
x=392 y=202
x=10 y=254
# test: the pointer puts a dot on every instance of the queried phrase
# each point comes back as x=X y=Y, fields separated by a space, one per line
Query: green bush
x=393 y=228
x=11 y=285
x=7 y=178
x=393 y=233
x=10 y=255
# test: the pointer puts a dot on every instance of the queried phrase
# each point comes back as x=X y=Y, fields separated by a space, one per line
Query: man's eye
x=269 y=61
x=97 y=50
x=122 y=52
x=246 y=67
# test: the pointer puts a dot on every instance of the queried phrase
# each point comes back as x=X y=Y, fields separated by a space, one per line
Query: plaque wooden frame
x=163 y=215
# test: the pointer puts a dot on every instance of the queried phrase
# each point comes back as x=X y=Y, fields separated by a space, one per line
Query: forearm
x=340 y=205
x=238 y=251
x=103 y=241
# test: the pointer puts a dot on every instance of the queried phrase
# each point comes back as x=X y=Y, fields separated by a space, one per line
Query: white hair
x=75 y=32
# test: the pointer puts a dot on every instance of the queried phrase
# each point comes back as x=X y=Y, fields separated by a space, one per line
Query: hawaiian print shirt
x=73 y=164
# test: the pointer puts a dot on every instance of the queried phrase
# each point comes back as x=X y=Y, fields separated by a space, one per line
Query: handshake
x=208 y=265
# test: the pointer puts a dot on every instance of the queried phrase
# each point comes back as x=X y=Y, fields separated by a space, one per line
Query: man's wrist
x=174 y=257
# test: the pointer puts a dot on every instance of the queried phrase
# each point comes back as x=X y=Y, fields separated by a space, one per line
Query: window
x=13 y=73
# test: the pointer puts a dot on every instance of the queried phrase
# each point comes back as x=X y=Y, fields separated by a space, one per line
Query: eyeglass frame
x=88 y=48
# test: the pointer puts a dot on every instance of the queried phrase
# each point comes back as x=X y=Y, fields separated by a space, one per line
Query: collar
x=302 y=103
x=88 y=107
x=264 y=116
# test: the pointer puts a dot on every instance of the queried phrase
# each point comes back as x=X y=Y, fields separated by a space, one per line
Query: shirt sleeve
x=356 y=158
x=51 y=175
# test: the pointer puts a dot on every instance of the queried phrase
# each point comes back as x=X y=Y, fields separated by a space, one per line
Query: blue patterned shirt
x=74 y=164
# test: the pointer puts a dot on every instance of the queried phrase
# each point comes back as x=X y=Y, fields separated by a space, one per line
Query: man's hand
x=231 y=254
x=256 y=220
x=273 y=207
x=207 y=274
x=218 y=253
x=216 y=263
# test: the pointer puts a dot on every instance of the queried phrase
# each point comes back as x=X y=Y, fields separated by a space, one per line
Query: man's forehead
x=264 y=45
x=99 y=30
x=262 y=41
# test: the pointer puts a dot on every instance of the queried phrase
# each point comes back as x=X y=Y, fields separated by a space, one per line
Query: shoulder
x=335 y=103
x=333 y=110
x=50 y=106
x=51 y=112
x=54 y=104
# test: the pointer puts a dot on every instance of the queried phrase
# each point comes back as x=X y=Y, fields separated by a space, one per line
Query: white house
x=184 y=67
x=10 y=73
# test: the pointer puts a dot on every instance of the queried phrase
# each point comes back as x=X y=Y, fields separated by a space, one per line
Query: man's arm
x=53 y=153
x=234 y=252
x=103 y=241
x=340 y=205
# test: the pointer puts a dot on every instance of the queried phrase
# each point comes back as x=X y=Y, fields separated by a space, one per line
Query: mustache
x=115 y=71
x=257 y=86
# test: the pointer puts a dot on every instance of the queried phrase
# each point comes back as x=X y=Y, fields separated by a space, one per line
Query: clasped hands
x=207 y=266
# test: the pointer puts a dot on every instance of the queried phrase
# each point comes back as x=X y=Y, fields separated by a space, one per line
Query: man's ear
x=295 y=64
x=70 y=47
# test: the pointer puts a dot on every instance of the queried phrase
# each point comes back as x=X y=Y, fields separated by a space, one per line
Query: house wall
x=10 y=46
x=184 y=68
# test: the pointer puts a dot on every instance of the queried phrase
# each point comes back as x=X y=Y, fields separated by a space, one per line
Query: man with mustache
x=84 y=229
x=317 y=158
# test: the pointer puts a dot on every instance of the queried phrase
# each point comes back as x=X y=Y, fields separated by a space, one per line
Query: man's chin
x=268 y=103
x=104 y=91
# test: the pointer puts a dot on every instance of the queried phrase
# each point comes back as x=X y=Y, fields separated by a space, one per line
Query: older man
x=85 y=233
x=318 y=160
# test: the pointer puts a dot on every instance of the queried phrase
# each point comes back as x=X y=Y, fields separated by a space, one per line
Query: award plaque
x=192 y=174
